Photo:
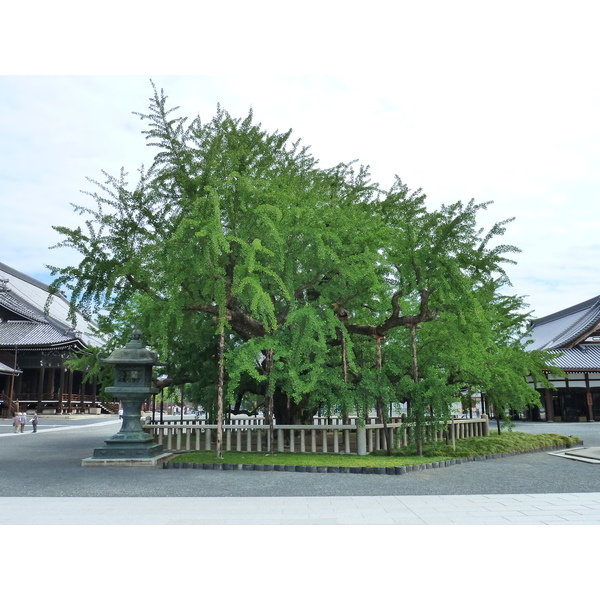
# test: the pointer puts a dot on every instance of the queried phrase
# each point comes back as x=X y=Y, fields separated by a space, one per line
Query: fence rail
x=318 y=438
x=243 y=421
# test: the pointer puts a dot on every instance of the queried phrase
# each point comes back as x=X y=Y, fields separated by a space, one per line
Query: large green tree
x=247 y=263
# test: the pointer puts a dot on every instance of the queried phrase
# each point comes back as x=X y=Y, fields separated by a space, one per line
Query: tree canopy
x=329 y=292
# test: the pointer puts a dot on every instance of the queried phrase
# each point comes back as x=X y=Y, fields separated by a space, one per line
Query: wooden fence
x=333 y=438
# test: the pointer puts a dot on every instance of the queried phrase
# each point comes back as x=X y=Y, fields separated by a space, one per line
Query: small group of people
x=20 y=420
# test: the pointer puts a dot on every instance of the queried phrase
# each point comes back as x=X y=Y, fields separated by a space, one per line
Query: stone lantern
x=133 y=384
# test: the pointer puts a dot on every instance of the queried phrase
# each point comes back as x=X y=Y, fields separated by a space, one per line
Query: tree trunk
x=220 y=390
x=269 y=400
x=380 y=411
x=182 y=403
x=418 y=413
x=345 y=418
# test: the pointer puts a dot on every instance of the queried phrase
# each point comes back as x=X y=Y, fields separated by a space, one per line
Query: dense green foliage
x=363 y=297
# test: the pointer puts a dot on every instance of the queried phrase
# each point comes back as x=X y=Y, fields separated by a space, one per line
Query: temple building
x=573 y=336
x=34 y=346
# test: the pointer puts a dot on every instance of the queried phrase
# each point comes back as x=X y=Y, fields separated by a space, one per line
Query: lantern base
x=126 y=462
x=128 y=449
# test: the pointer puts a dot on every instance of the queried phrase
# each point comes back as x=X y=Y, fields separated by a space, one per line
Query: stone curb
x=358 y=470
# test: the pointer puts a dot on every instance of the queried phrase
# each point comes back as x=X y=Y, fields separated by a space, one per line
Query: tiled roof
x=27 y=323
x=561 y=329
x=18 y=306
x=34 y=334
x=582 y=356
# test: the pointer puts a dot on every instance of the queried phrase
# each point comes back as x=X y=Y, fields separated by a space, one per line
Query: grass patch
x=509 y=441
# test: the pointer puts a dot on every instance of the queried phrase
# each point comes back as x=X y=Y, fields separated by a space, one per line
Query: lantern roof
x=133 y=353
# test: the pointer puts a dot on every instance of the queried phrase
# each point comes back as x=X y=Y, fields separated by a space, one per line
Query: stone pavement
x=41 y=477
x=501 y=509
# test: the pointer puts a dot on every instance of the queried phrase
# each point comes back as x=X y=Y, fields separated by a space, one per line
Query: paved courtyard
x=41 y=476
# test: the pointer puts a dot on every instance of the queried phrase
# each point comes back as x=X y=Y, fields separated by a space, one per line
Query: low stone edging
x=359 y=470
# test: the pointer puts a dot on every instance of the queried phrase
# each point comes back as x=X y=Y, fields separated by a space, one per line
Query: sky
x=492 y=101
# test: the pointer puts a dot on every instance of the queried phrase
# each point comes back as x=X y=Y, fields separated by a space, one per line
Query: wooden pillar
x=50 y=377
x=19 y=382
x=589 y=399
x=61 y=388
x=41 y=375
x=11 y=395
x=549 y=405
x=70 y=389
x=590 y=405
x=94 y=390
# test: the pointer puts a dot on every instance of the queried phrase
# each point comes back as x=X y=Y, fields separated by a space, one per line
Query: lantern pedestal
x=131 y=446
x=131 y=441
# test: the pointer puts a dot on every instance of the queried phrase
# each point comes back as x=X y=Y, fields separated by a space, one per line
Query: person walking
x=34 y=422
x=23 y=422
x=16 y=422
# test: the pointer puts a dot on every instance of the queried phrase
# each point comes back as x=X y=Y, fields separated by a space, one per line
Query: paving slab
x=590 y=455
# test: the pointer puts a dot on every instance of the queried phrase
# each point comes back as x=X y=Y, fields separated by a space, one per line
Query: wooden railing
x=65 y=403
x=55 y=399
x=317 y=438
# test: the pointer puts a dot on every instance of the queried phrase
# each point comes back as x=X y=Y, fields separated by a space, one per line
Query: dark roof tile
x=583 y=356
x=30 y=333
x=565 y=327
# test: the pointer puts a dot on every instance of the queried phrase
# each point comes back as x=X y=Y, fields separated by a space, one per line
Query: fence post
x=361 y=440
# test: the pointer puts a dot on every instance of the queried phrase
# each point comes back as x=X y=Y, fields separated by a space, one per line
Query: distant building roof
x=565 y=328
x=573 y=334
x=24 y=322
x=31 y=334
x=584 y=357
